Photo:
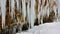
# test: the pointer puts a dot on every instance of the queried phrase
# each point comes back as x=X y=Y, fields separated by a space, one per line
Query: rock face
x=8 y=16
x=36 y=22
x=50 y=18
x=8 y=19
x=25 y=27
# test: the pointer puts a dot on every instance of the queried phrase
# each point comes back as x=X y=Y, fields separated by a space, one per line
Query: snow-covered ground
x=47 y=28
x=52 y=28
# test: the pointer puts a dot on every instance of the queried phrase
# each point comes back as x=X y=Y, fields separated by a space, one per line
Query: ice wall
x=30 y=10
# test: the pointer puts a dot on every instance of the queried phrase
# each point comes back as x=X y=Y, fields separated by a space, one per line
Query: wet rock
x=25 y=27
x=50 y=18
x=36 y=22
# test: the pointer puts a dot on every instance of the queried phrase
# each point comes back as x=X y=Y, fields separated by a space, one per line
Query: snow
x=52 y=28
x=25 y=33
x=47 y=28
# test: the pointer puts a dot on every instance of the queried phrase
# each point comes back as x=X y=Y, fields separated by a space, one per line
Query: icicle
x=54 y=7
x=32 y=13
x=28 y=12
x=58 y=4
x=48 y=11
x=45 y=8
x=17 y=4
x=42 y=13
x=0 y=7
x=57 y=14
x=3 y=10
x=39 y=10
x=56 y=10
x=20 y=9
x=12 y=8
x=9 y=6
x=24 y=9
x=48 y=8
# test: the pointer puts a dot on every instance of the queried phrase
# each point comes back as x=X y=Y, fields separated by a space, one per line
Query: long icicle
x=32 y=13
x=39 y=11
x=12 y=8
x=17 y=4
x=24 y=9
x=3 y=10
x=28 y=12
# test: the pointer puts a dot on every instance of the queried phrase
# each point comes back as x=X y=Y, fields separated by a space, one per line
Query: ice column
x=0 y=7
x=3 y=10
x=17 y=4
x=12 y=8
x=32 y=13
x=28 y=11
x=24 y=9
x=39 y=11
